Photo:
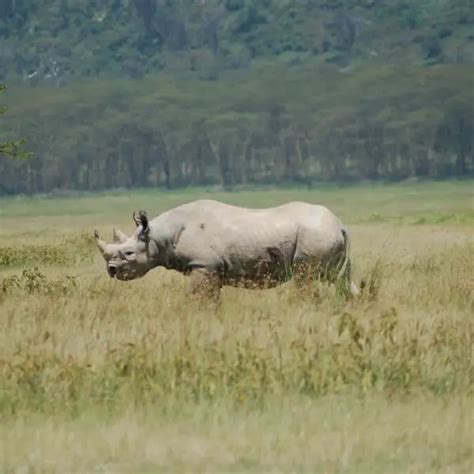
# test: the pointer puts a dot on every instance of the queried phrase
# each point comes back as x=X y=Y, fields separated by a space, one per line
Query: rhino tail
x=344 y=274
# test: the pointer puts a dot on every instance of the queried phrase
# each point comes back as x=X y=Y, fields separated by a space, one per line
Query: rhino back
x=244 y=242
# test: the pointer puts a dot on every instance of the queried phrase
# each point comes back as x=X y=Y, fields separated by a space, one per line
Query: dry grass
x=101 y=375
x=292 y=434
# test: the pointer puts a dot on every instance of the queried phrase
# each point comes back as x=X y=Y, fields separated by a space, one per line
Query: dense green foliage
x=153 y=92
x=52 y=41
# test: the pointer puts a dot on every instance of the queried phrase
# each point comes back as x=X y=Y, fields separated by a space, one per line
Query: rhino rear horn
x=119 y=236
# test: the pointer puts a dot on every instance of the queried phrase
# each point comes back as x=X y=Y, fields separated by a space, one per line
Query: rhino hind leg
x=306 y=272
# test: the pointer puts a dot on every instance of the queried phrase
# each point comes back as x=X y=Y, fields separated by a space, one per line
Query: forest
x=141 y=93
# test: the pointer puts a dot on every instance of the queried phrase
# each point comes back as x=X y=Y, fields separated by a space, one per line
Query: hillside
x=51 y=41
x=151 y=92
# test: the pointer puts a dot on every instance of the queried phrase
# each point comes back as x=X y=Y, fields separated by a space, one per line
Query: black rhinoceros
x=219 y=244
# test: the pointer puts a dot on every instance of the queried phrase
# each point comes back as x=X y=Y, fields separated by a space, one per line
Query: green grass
x=354 y=202
x=102 y=375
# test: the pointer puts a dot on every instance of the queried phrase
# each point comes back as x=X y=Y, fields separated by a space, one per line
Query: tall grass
x=101 y=374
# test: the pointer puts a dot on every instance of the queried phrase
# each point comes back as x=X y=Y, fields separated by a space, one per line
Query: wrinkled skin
x=218 y=244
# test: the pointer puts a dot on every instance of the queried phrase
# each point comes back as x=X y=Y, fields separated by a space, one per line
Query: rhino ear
x=119 y=236
x=100 y=243
x=141 y=220
x=142 y=215
x=135 y=219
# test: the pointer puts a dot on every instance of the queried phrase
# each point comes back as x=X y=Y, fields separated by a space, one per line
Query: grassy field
x=98 y=375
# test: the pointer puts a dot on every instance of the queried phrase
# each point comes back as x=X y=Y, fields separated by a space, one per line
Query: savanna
x=98 y=375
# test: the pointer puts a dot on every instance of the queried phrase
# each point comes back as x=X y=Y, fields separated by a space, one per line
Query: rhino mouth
x=126 y=275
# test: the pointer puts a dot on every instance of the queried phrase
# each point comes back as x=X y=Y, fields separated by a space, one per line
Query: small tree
x=12 y=148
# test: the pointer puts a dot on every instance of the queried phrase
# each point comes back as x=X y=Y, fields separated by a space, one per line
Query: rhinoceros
x=218 y=244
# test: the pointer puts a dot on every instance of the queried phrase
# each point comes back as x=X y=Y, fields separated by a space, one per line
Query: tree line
x=11 y=148
x=275 y=125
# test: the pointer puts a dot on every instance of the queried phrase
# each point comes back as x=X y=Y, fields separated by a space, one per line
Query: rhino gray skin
x=218 y=244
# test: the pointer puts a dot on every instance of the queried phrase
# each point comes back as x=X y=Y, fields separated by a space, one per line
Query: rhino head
x=128 y=258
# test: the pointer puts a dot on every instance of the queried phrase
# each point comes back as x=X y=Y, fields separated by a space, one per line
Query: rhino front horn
x=100 y=243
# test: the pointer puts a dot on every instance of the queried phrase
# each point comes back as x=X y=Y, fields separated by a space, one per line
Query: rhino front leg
x=205 y=284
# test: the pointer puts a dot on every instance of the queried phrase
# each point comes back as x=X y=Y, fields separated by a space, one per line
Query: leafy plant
x=32 y=281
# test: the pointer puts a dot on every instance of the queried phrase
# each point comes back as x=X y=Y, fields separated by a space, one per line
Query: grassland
x=104 y=376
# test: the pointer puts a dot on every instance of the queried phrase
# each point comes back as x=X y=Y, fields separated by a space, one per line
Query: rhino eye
x=129 y=253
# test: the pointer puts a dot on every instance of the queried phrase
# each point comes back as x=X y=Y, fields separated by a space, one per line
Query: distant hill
x=53 y=41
